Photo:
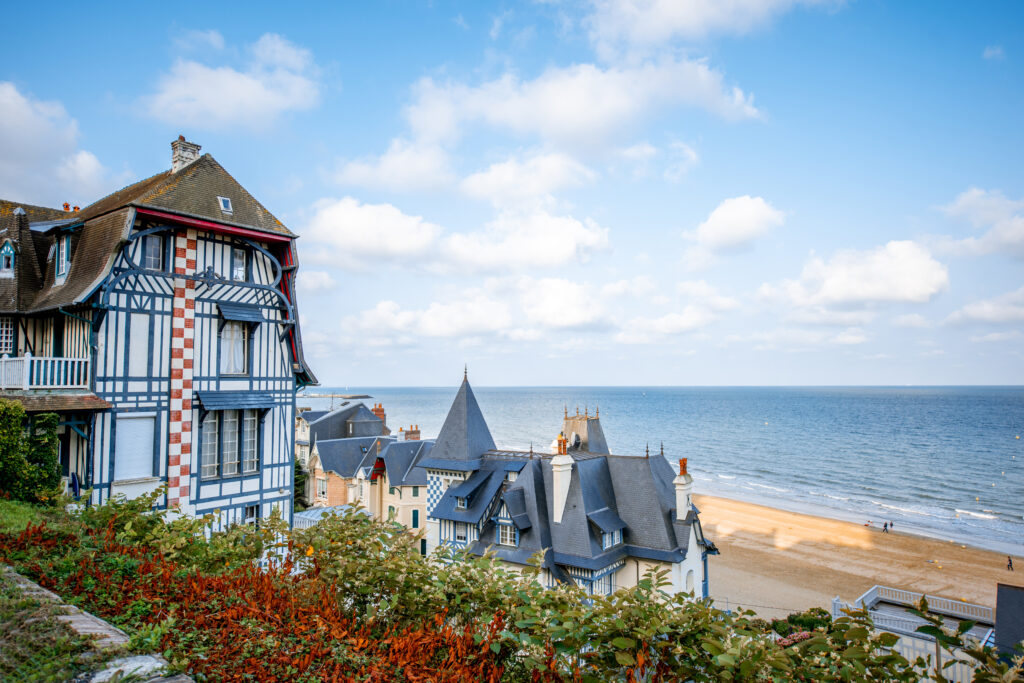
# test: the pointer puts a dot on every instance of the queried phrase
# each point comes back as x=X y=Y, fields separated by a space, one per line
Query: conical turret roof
x=465 y=435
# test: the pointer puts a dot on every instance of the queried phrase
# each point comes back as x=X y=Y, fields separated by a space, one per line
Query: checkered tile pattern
x=433 y=492
x=179 y=450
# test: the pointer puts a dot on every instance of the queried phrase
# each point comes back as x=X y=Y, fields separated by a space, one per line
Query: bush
x=29 y=465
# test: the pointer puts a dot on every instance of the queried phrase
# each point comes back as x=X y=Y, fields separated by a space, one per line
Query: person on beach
x=885 y=527
x=890 y=526
x=1009 y=563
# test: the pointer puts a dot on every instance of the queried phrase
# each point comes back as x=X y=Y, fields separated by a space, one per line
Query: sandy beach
x=776 y=562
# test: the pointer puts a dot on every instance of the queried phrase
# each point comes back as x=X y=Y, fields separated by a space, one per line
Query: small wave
x=726 y=476
x=770 y=488
x=979 y=515
x=909 y=511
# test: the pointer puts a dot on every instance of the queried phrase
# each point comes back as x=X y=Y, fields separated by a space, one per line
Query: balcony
x=43 y=372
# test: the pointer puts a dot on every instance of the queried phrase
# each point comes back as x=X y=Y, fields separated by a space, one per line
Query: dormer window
x=508 y=535
x=63 y=255
x=7 y=260
x=225 y=204
x=460 y=503
x=609 y=540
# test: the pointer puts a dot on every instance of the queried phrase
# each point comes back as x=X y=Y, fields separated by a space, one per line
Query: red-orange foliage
x=251 y=623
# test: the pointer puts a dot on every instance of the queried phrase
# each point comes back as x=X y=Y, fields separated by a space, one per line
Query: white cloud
x=315 y=280
x=534 y=239
x=798 y=339
x=639 y=153
x=278 y=77
x=649 y=23
x=645 y=330
x=388 y=323
x=514 y=181
x=355 y=235
x=732 y=226
x=993 y=52
x=991 y=209
x=854 y=335
x=682 y=159
x=498 y=22
x=706 y=295
x=997 y=336
x=41 y=162
x=348 y=233
x=580 y=105
x=818 y=315
x=900 y=271
x=637 y=286
x=911 y=320
x=556 y=303
x=405 y=166
x=1007 y=308
x=197 y=40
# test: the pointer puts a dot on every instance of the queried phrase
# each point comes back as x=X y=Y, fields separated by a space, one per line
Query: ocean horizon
x=940 y=461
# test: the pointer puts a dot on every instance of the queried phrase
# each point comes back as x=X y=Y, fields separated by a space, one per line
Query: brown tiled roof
x=193 y=191
x=55 y=401
x=93 y=250
x=34 y=213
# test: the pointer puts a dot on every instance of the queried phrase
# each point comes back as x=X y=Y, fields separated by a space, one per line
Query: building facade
x=161 y=324
x=601 y=521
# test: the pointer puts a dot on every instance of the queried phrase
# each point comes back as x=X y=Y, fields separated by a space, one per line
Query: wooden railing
x=43 y=372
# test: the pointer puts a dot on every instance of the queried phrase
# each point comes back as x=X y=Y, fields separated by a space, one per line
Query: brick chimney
x=412 y=433
x=183 y=153
x=683 y=484
x=378 y=410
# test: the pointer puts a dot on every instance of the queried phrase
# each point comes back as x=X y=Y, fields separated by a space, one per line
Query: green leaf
x=624 y=643
x=624 y=659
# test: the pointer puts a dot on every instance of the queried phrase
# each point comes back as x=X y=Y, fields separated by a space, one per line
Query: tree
x=300 y=487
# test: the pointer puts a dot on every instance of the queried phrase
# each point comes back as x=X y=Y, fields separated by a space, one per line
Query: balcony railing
x=43 y=372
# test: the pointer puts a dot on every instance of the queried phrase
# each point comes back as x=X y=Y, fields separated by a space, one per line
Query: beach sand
x=776 y=562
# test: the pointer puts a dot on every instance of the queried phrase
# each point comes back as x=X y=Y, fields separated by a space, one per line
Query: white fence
x=43 y=372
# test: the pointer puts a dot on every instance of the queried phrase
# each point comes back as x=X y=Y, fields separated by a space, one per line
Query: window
x=238 y=264
x=415 y=519
x=225 y=204
x=460 y=532
x=7 y=260
x=230 y=443
x=391 y=512
x=602 y=586
x=511 y=476
x=415 y=491
x=6 y=335
x=234 y=348
x=153 y=252
x=460 y=503
x=423 y=547
x=63 y=255
x=321 y=487
x=611 y=539
x=507 y=534
x=252 y=514
x=229 y=449
x=133 y=446
x=210 y=445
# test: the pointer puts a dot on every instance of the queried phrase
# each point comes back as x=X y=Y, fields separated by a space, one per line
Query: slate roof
x=335 y=424
x=606 y=493
x=311 y=416
x=345 y=457
x=464 y=436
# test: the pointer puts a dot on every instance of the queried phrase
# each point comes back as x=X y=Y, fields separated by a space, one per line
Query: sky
x=603 y=192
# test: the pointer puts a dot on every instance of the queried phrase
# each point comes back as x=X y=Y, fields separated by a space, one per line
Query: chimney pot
x=183 y=153
x=67 y=206
x=682 y=466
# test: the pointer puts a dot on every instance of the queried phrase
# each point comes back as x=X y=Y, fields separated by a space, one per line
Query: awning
x=234 y=400
x=246 y=313
x=606 y=520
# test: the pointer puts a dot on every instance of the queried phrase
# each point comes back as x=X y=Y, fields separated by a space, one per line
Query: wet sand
x=776 y=562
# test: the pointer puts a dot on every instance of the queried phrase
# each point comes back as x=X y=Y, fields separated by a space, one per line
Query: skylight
x=225 y=204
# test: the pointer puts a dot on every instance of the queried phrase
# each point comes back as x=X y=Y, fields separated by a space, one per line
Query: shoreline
x=777 y=561
x=853 y=517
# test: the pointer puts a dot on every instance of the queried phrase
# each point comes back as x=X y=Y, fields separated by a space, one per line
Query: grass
x=16 y=515
x=34 y=644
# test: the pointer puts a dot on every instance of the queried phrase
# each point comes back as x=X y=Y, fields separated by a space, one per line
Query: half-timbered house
x=160 y=323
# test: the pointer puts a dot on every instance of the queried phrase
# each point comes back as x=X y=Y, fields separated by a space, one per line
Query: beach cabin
x=161 y=324
x=604 y=520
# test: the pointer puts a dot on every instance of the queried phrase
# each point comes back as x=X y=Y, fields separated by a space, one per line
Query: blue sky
x=578 y=193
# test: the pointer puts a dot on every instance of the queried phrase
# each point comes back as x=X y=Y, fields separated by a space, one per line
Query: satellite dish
x=574 y=439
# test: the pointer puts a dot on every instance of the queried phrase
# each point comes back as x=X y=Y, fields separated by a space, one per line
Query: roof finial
x=566 y=411
x=586 y=411
x=663 y=448
x=531 y=450
x=465 y=372
x=647 y=450
x=597 y=411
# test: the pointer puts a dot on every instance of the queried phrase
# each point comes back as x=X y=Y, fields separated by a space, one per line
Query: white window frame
x=460 y=528
x=225 y=204
x=6 y=335
x=153 y=258
x=232 y=334
x=460 y=503
x=210 y=455
x=238 y=255
x=7 y=252
x=611 y=539
x=250 y=442
x=63 y=255
x=251 y=514
x=231 y=454
x=507 y=535
x=321 y=487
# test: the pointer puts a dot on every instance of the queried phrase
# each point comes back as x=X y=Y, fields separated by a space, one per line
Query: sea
x=944 y=462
